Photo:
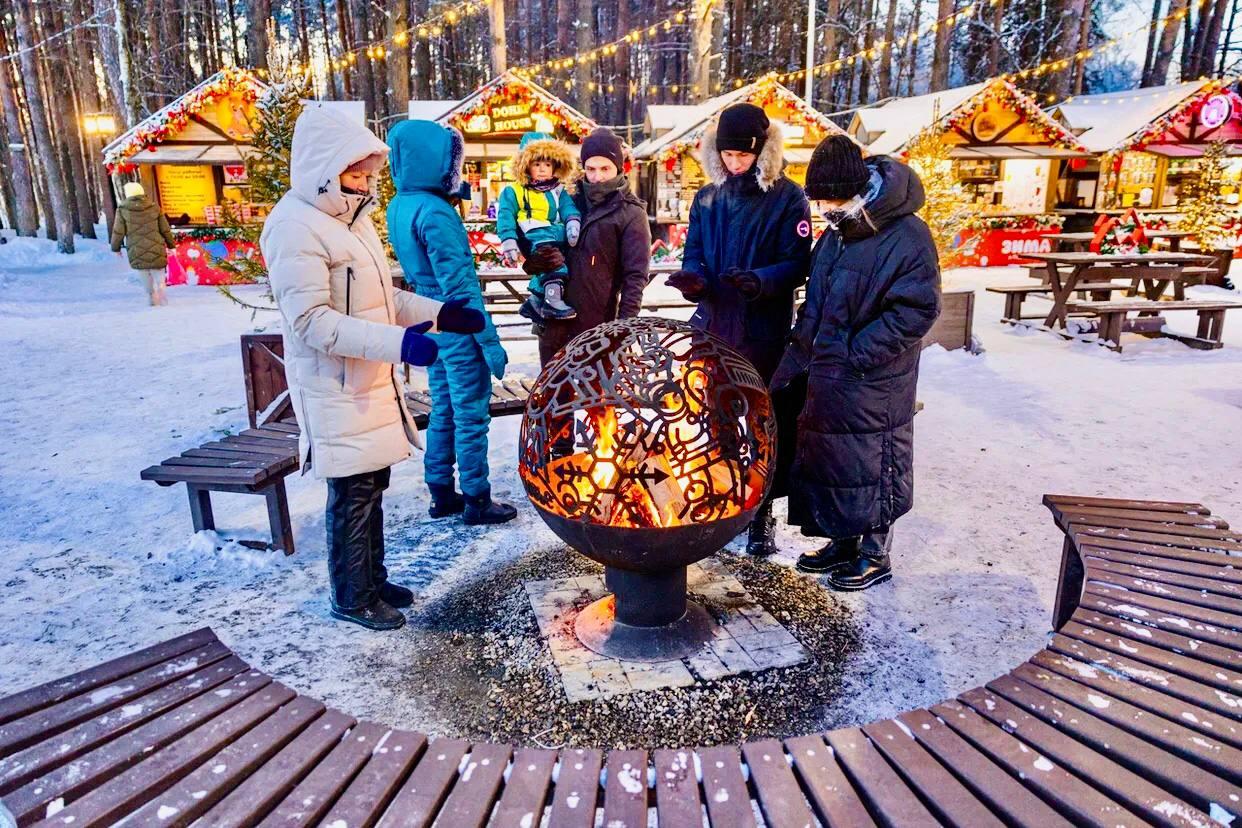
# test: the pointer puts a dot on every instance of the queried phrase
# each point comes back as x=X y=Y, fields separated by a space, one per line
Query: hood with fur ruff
x=770 y=163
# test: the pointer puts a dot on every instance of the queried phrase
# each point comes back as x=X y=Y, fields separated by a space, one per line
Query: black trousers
x=355 y=521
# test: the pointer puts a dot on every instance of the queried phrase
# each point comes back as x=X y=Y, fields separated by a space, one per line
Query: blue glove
x=417 y=348
x=455 y=317
x=496 y=358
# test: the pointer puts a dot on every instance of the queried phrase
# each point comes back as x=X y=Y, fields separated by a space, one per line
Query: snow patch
x=1098 y=702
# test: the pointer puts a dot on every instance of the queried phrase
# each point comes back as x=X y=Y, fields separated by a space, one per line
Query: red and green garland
x=1189 y=110
x=512 y=90
x=175 y=117
x=1005 y=93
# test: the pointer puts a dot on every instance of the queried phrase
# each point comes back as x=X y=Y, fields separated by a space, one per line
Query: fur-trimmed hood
x=565 y=166
x=770 y=163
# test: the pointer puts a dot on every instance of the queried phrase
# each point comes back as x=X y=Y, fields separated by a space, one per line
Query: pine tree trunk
x=701 y=25
x=73 y=104
x=62 y=214
x=1224 y=53
x=912 y=48
x=1074 y=12
x=864 y=69
x=366 y=83
x=1189 y=38
x=256 y=33
x=885 y=79
x=343 y=30
x=499 y=45
x=943 y=54
x=422 y=56
x=584 y=33
x=623 y=58
x=1150 y=56
x=299 y=8
x=132 y=106
x=399 y=57
x=234 y=40
x=1210 y=44
x=109 y=55
x=153 y=59
x=25 y=214
x=1164 y=52
x=331 y=79
x=564 y=26
x=994 y=40
x=1084 y=40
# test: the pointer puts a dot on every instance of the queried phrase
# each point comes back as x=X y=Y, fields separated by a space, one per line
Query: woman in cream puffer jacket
x=344 y=330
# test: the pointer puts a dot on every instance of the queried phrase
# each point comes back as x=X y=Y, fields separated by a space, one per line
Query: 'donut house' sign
x=502 y=119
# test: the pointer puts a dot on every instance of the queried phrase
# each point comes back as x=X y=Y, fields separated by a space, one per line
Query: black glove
x=692 y=285
x=416 y=347
x=455 y=317
x=744 y=281
x=543 y=259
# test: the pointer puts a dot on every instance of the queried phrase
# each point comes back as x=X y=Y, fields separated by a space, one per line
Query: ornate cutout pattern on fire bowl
x=647 y=423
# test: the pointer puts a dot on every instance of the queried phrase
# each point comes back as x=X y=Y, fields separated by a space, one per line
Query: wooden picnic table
x=1070 y=242
x=1173 y=237
x=1157 y=270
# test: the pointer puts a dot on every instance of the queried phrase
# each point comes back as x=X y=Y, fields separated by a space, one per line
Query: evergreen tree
x=946 y=208
x=1204 y=212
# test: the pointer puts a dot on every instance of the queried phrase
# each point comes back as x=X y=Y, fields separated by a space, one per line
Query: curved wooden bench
x=1132 y=715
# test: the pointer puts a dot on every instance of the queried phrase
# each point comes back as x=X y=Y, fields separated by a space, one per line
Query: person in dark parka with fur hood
x=746 y=251
x=874 y=292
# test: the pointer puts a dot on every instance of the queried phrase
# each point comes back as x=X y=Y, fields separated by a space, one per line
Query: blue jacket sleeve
x=692 y=252
x=794 y=246
x=910 y=309
x=442 y=235
x=566 y=208
x=506 y=215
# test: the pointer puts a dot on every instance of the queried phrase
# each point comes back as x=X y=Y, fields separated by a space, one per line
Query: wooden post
x=1069 y=585
x=200 y=508
x=278 y=517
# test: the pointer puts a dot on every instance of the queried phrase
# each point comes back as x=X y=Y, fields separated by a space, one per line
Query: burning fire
x=665 y=464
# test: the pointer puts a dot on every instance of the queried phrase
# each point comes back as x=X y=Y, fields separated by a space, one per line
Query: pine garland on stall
x=1204 y=212
x=267 y=168
x=947 y=207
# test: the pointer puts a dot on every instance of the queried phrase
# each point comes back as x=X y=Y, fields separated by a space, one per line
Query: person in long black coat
x=874 y=292
x=746 y=251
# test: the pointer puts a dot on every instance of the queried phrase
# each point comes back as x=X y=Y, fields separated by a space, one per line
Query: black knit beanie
x=837 y=170
x=742 y=127
x=603 y=144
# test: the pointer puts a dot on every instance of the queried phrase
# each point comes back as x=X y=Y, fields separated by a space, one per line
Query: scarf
x=544 y=186
x=597 y=193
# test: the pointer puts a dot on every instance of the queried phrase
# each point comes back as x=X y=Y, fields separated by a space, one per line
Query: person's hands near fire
x=693 y=286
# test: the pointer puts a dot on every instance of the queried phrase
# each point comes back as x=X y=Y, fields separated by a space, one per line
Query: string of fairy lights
x=435 y=25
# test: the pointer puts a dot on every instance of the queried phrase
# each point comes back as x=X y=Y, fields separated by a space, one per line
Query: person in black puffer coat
x=874 y=292
x=746 y=251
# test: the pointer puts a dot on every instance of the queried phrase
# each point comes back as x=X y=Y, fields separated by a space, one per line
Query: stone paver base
x=746 y=639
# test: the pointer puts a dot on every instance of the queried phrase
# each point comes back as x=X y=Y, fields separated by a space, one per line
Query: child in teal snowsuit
x=430 y=241
x=537 y=210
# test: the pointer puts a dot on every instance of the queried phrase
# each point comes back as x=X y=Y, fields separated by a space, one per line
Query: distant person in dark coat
x=746 y=251
x=609 y=266
x=873 y=294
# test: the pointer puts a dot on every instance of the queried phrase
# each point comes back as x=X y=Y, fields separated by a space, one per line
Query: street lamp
x=99 y=125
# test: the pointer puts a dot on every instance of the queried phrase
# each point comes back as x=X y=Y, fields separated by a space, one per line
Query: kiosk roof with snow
x=210 y=124
x=993 y=119
x=1179 y=119
x=678 y=129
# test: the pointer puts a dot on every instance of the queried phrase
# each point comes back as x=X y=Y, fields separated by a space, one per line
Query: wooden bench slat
x=625 y=791
x=1227 y=704
x=1057 y=500
x=263 y=790
x=247 y=448
x=1159 y=304
x=1201 y=539
x=165 y=767
x=363 y=802
x=1074 y=798
x=776 y=788
x=577 y=789
x=950 y=801
x=891 y=800
x=23 y=732
x=1084 y=514
x=526 y=792
x=236 y=454
x=1139 y=650
x=831 y=795
x=470 y=802
x=314 y=795
x=190 y=798
x=1165 y=566
x=96 y=767
x=1153 y=543
x=281 y=444
x=1184 y=534
x=214 y=462
x=419 y=799
x=1173 y=642
x=189 y=474
x=1221 y=619
x=1229 y=610
x=49 y=693
x=677 y=788
x=287 y=428
x=1165 y=615
x=1142 y=695
x=269 y=434
x=724 y=787
x=1092 y=725
x=1120 y=784
x=1002 y=793
x=56 y=750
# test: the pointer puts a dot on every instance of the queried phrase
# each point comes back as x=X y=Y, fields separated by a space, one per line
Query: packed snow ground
x=97 y=562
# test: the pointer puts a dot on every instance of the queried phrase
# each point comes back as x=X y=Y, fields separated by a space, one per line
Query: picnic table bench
x=1131 y=715
x=1113 y=319
x=1015 y=296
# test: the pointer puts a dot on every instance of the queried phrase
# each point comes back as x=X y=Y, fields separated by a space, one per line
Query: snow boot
x=395 y=595
x=376 y=616
x=836 y=553
x=554 y=306
x=871 y=567
x=761 y=536
x=483 y=511
x=533 y=309
x=445 y=501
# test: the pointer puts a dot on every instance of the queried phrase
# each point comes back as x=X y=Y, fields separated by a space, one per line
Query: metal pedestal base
x=647 y=618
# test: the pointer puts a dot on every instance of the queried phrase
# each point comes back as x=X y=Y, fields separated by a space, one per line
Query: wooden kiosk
x=190 y=158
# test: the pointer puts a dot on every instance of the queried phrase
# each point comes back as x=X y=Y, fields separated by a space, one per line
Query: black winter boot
x=833 y=555
x=870 y=568
x=445 y=501
x=761 y=536
x=395 y=595
x=482 y=510
x=377 y=616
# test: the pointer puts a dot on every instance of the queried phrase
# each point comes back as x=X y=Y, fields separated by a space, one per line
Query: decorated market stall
x=1008 y=155
x=670 y=173
x=1150 y=143
x=189 y=157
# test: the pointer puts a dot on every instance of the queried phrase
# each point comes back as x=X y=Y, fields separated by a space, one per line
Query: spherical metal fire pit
x=647 y=445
